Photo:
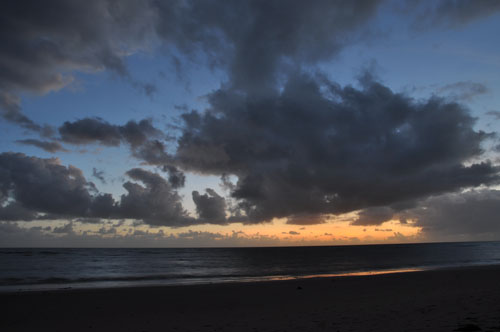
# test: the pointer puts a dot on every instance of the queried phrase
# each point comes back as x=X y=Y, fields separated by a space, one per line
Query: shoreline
x=156 y=283
x=118 y=284
x=432 y=300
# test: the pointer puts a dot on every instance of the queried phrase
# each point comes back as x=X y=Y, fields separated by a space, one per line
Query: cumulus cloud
x=155 y=202
x=318 y=148
x=42 y=185
x=35 y=188
x=210 y=206
x=300 y=145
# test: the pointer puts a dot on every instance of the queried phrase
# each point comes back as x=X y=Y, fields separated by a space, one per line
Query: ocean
x=43 y=269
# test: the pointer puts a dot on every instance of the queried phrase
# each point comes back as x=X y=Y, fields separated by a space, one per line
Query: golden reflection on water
x=347 y=274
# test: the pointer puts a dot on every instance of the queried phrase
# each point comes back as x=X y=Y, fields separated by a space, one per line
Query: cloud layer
x=43 y=43
x=460 y=216
x=300 y=145
x=96 y=130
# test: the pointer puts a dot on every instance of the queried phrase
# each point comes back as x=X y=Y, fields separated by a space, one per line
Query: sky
x=248 y=123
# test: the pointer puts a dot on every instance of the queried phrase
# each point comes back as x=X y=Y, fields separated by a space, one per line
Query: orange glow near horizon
x=336 y=230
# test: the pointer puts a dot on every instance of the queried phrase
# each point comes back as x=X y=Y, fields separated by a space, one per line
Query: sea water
x=32 y=269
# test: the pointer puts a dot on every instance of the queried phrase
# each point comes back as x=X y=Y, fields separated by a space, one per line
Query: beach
x=459 y=299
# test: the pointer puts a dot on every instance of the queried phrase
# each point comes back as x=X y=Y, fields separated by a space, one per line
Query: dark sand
x=465 y=299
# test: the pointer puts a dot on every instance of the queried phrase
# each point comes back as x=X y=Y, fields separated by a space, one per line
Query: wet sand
x=465 y=299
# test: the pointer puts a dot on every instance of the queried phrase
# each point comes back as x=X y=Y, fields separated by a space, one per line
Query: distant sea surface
x=32 y=269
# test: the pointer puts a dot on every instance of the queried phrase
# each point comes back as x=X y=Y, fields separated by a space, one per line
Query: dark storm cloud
x=16 y=212
x=210 y=206
x=301 y=146
x=96 y=130
x=317 y=148
x=460 y=216
x=155 y=202
x=42 y=185
x=51 y=147
x=34 y=188
x=43 y=42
